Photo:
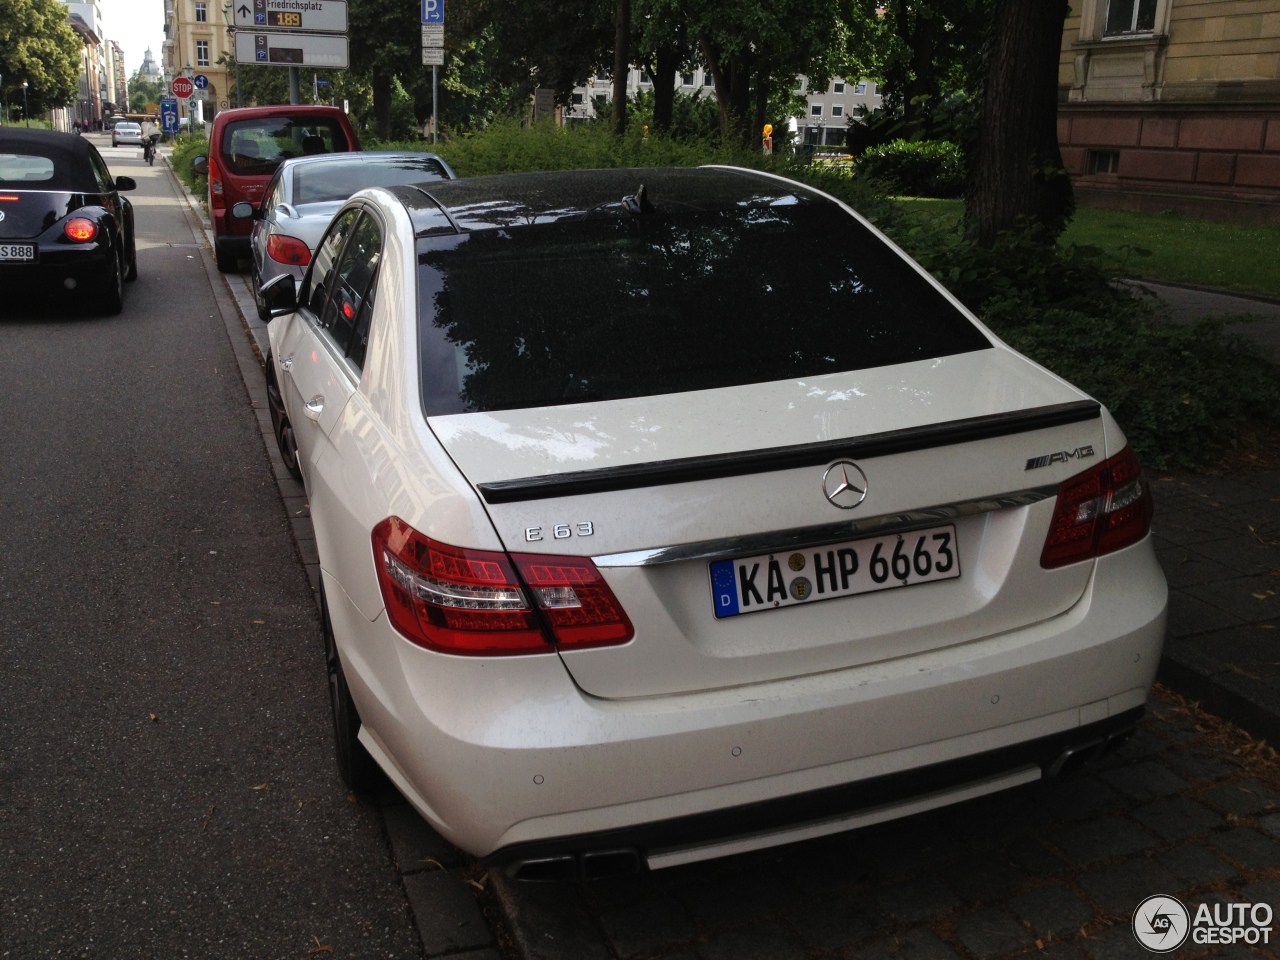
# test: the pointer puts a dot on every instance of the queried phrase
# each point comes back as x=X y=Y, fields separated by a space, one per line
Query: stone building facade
x=1173 y=105
x=195 y=37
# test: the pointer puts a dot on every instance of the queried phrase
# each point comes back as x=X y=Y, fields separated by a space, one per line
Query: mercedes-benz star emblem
x=844 y=484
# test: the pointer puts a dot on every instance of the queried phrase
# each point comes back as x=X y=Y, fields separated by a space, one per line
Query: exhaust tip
x=610 y=863
x=567 y=868
x=546 y=870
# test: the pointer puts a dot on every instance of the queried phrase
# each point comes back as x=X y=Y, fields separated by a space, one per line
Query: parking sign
x=433 y=11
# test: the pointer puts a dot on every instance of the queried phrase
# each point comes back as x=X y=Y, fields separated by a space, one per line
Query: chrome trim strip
x=801 y=537
x=676 y=856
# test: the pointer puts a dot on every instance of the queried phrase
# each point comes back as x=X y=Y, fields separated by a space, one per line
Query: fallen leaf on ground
x=263 y=786
x=154 y=718
x=259 y=621
x=207 y=817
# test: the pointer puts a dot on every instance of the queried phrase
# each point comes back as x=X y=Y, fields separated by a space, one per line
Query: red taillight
x=215 y=185
x=80 y=230
x=575 y=601
x=1098 y=511
x=472 y=603
x=288 y=250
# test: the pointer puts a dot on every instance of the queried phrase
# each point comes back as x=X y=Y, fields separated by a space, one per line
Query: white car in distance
x=664 y=522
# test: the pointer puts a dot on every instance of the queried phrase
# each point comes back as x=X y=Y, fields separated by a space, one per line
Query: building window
x=577 y=99
x=644 y=77
x=686 y=79
x=1104 y=161
x=1130 y=16
x=861 y=89
x=602 y=77
x=708 y=80
x=202 y=12
x=815 y=109
x=838 y=86
x=202 y=53
x=837 y=110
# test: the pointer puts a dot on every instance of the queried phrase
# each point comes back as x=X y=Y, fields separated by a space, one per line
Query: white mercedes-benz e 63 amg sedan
x=668 y=514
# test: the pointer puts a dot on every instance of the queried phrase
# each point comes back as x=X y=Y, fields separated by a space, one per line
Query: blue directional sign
x=169 y=114
x=433 y=11
x=201 y=81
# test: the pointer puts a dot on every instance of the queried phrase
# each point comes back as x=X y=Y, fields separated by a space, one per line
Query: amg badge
x=1062 y=456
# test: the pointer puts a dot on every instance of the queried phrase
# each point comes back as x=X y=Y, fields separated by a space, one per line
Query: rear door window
x=255 y=147
x=316 y=283
x=354 y=278
x=581 y=310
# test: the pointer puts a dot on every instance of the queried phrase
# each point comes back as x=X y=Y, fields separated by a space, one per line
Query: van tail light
x=575 y=601
x=288 y=250
x=473 y=603
x=80 y=230
x=216 y=197
x=1099 y=511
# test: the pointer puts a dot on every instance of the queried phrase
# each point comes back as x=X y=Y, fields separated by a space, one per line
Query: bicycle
x=149 y=150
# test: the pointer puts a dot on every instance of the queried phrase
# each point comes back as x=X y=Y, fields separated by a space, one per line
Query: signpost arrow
x=322 y=16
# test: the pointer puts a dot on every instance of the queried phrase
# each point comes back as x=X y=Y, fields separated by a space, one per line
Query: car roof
x=524 y=199
x=278 y=110
x=359 y=156
x=49 y=143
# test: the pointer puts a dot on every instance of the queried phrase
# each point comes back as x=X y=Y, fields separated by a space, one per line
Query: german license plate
x=770 y=581
x=23 y=252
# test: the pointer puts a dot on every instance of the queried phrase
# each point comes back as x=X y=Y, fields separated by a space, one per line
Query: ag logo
x=1161 y=924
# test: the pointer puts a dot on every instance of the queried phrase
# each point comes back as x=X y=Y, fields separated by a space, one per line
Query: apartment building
x=827 y=111
x=196 y=37
x=1173 y=105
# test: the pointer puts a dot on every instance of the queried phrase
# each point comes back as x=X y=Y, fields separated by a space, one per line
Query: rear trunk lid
x=29 y=213
x=668 y=492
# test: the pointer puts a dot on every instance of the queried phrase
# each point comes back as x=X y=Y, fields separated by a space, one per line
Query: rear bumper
x=233 y=245
x=510 y=760
x=88 y=267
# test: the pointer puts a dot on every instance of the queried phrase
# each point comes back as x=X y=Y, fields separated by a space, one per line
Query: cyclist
x=150 y=134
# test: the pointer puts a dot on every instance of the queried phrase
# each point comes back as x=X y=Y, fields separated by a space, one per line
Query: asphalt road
x=167 y=783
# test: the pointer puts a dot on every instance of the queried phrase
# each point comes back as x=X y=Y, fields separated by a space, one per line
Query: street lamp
x=26 y=114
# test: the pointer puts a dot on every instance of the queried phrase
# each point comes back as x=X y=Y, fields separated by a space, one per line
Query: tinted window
x=599 y=309
x=314 y=284
x=339 y=179
x=257 y=147
x=354 y=277
x=100 y=172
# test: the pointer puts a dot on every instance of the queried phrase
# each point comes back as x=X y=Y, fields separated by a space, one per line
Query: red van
x=246 y=146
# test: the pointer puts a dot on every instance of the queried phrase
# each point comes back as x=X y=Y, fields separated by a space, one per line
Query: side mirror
x=200 y=164
x=126 y=183
x=244 y=210
x=280 y=295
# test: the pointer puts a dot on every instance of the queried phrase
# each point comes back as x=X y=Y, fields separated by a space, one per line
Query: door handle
x=314 y=406
x=287 y=362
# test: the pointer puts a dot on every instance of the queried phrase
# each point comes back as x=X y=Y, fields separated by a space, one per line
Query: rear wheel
x=280 y=424
x=227 y=261
x=112 y=298
x=131 y=272
x=357 y=769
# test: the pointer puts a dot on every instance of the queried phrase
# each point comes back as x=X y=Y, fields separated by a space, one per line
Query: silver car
x=126 y=133
x=304 y=195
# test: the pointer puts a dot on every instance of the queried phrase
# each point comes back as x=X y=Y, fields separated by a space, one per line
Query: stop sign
x=182 y=87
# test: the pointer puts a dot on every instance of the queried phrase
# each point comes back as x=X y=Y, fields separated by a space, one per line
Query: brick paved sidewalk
x=1218 y=540
x=1054 y=868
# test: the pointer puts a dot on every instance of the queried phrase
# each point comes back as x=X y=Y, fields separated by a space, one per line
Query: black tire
x=227 y=261
x=280 y=424
x=358 y=770
x=111 y=300
x=131 y=272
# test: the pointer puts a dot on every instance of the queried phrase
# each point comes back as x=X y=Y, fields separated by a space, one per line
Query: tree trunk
x=1017 y=172
x=920 y=87
x=733 y=91
x=762 y=109
x=667 y=61
x=621 y=65
x=382 y=104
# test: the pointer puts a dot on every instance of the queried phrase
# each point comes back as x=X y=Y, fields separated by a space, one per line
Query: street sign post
x=433 y=11
x=292 y=49
x=433 y=34
x=317 y=16
x=433 y=56
x=182 y=87
x=201 y=81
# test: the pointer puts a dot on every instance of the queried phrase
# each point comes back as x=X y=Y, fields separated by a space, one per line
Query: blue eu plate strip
x=724 y=588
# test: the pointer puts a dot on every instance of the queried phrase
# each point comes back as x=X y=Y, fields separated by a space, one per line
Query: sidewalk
x=1186 y=305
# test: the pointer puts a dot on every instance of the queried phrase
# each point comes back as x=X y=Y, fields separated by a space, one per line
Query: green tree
x=386 y=46
x=143 y=91
x=38 y=46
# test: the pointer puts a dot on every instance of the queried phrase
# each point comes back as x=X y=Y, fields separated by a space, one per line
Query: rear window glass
x=24 y=168
x=339 y=179
x=676 y=300
x=258 y=146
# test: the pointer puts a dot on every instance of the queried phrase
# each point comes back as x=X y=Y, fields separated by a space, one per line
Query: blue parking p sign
x=433 y=11
x=169 y=115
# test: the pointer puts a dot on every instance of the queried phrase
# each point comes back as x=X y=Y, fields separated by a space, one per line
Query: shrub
x=915 y=168
x=184 y=151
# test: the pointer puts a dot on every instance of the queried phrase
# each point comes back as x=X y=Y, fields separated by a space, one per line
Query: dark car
x=245 y=148
x=64 y=228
